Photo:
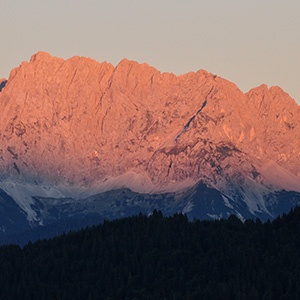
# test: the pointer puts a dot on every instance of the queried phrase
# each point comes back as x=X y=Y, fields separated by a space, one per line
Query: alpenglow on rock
x=77 y=127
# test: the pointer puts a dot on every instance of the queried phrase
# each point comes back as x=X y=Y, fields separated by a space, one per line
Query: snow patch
x=226 y=202
x=188 y=207
x=279 y=177
x=139 y=183
x=22 y=197
x=23 y=192
x=239 y=216
x=215 y=217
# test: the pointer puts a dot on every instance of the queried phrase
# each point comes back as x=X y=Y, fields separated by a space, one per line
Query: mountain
x=76 y=134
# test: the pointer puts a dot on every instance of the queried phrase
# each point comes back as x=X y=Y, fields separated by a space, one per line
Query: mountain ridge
x=76 y=128
x=124 y=76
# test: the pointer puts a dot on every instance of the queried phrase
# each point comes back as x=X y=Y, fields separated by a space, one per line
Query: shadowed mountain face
x=76 y=127
x=2 y=84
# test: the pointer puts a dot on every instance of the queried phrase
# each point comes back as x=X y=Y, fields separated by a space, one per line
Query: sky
x=247 y=42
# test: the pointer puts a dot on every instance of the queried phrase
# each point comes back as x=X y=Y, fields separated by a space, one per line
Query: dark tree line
x=160 y=257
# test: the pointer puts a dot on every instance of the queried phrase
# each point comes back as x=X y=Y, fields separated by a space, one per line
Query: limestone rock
x=79 y=122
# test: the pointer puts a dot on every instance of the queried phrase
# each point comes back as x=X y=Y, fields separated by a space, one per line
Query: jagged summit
x=42 y=56
x=82 y=124
x=71 y=108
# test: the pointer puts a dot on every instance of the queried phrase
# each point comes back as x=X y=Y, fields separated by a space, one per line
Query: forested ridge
x=157 y=257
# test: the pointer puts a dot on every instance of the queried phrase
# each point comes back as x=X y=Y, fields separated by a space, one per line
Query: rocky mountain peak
x=41 y=56
x=60 y=116
x=79 y=129
x=274 y=97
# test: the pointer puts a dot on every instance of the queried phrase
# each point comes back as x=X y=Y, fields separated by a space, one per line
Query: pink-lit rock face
x=79 y=122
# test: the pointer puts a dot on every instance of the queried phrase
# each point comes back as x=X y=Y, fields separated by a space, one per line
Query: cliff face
x=80 y=123
x=277 y=127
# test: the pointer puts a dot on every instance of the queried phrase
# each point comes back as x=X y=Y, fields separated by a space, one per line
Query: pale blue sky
x=246 y=42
